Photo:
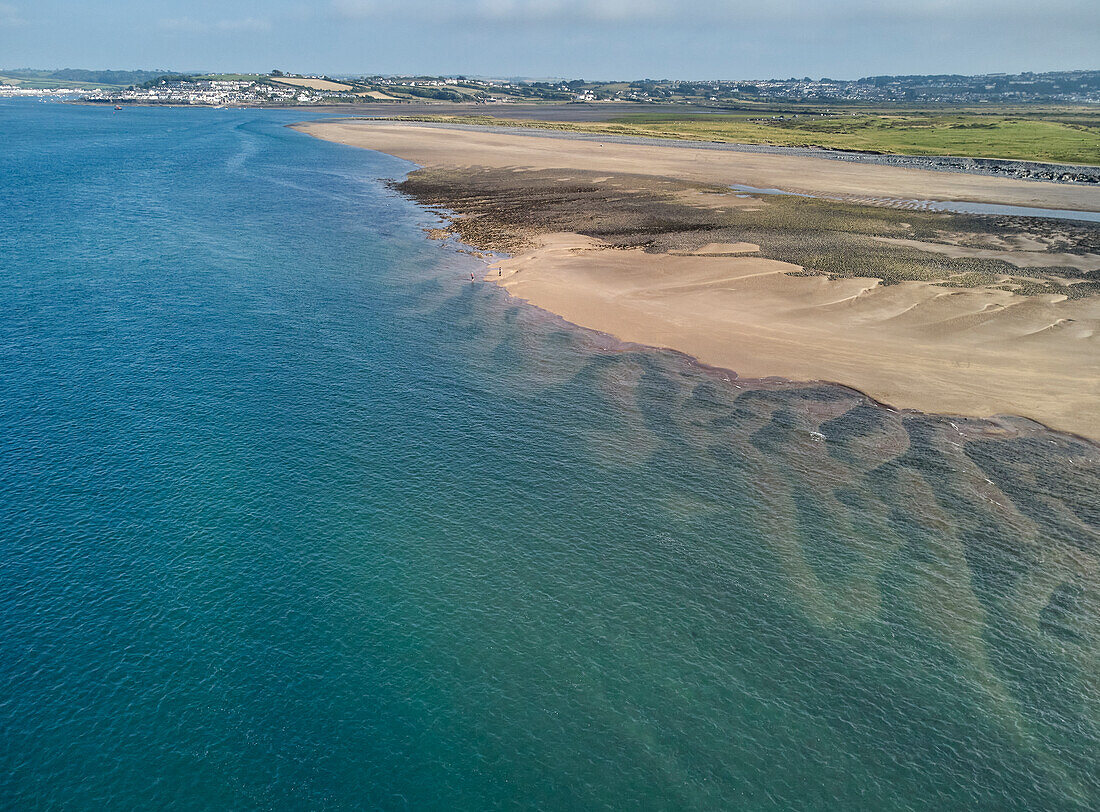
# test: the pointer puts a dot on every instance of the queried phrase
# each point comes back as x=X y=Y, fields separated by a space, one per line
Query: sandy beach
x=977 y=342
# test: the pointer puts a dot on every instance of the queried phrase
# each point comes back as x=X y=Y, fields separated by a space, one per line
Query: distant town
x=285 y=89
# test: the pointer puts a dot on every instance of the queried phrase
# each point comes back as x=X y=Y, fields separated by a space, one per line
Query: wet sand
x=981 y=350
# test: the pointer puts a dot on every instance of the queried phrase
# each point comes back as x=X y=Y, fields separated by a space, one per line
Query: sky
x=590 y=39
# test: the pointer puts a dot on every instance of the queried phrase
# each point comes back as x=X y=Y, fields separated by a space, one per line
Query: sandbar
x=981 y=350
x=430 y=146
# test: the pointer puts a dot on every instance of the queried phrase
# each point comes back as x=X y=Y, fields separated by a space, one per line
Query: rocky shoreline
x=1022 y=170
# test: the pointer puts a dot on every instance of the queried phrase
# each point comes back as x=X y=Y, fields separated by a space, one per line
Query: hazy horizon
x=205 y=71
x=599 y=40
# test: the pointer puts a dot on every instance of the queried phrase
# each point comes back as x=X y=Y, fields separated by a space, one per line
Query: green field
x=1058 y=135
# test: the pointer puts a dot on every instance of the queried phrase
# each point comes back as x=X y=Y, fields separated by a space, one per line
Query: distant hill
x=78 y=78
x=1033 y=86
x=1056 y=87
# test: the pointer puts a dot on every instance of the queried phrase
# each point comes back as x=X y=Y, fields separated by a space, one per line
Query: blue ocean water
x=292 y=515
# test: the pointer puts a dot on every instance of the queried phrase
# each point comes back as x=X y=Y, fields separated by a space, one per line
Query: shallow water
x=295 y=516
x=965 y=207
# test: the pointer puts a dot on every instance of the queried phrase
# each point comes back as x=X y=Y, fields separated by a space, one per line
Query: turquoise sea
x=295 y=516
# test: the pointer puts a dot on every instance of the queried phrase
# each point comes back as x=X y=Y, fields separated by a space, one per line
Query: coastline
x=981 y=352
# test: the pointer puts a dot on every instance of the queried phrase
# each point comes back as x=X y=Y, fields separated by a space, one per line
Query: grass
x=1059 y=137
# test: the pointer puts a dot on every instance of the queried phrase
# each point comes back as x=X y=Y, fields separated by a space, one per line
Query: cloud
x=507 y=11
x=569 y=10
x=10 y=16
x=946 y=12
x=724 y=13
x=352 y=9
x=192 y=26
